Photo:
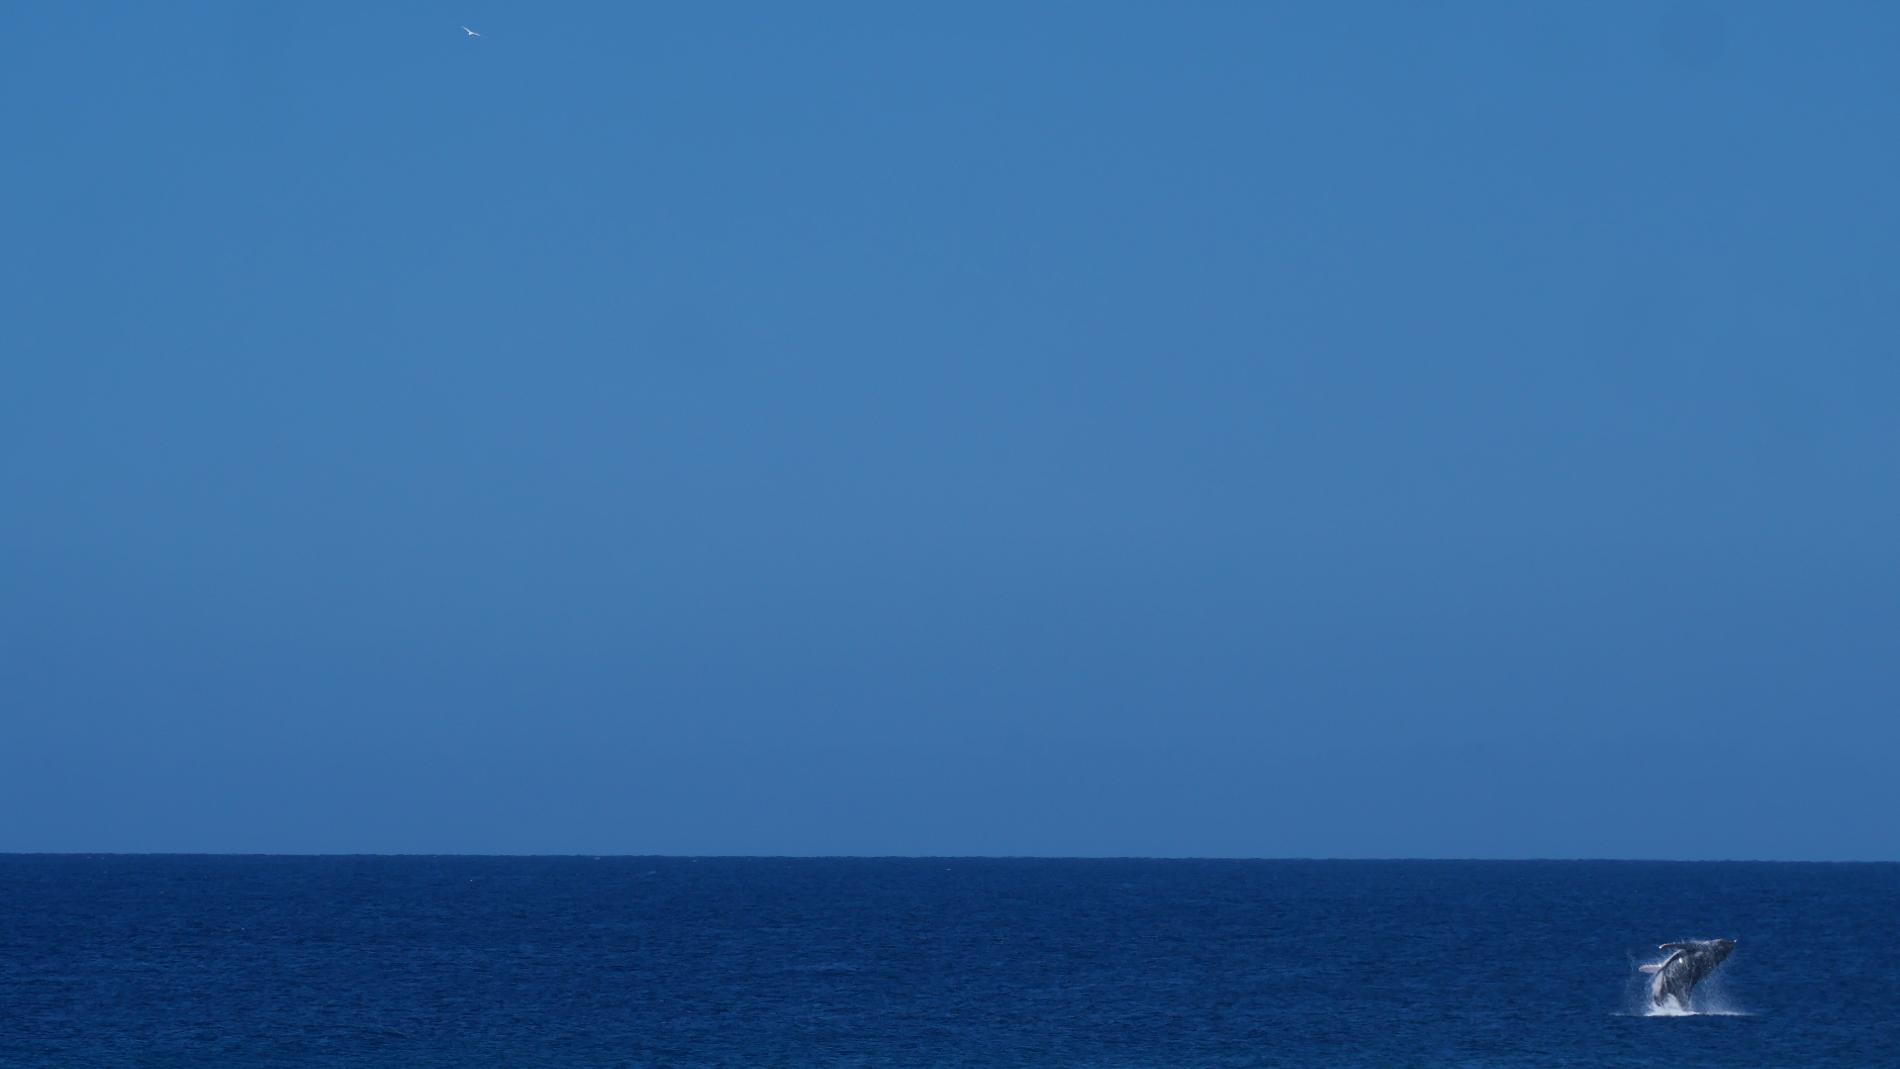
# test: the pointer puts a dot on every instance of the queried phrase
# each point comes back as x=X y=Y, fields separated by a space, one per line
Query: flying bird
x=470 y=32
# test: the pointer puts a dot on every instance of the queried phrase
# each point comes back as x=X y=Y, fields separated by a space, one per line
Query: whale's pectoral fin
x=1673 y=946
x=1655 y=968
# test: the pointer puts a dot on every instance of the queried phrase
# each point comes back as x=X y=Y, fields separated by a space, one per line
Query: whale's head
x=1721 y=948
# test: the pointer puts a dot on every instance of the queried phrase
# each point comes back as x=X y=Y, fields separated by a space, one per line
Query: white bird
x=470 y=32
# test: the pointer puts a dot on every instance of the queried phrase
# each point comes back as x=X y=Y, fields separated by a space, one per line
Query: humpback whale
x=1687 y=965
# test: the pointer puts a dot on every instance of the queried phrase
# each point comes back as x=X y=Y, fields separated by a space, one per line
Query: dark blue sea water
x=419 y=961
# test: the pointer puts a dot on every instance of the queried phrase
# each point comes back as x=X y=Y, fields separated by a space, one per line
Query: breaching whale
x=1687 y=965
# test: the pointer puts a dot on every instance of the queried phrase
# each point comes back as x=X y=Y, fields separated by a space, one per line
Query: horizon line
x=1384 y=859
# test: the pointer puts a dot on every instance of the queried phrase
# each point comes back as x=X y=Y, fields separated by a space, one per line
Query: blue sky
x=1213 y=429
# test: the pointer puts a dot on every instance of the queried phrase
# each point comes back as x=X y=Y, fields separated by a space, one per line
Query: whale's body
x=1688 y=964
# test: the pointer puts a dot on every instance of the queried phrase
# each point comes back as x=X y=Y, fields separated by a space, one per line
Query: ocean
x=648 y=961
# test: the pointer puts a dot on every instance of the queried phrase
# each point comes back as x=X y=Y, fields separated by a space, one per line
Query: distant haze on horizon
x=1364 y=430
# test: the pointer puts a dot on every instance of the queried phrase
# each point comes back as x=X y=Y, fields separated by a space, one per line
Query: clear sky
x=1085 y=428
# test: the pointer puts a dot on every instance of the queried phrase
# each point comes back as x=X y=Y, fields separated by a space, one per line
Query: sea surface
x=636 y=961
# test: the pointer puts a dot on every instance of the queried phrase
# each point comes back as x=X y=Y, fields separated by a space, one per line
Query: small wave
x=825 y=968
